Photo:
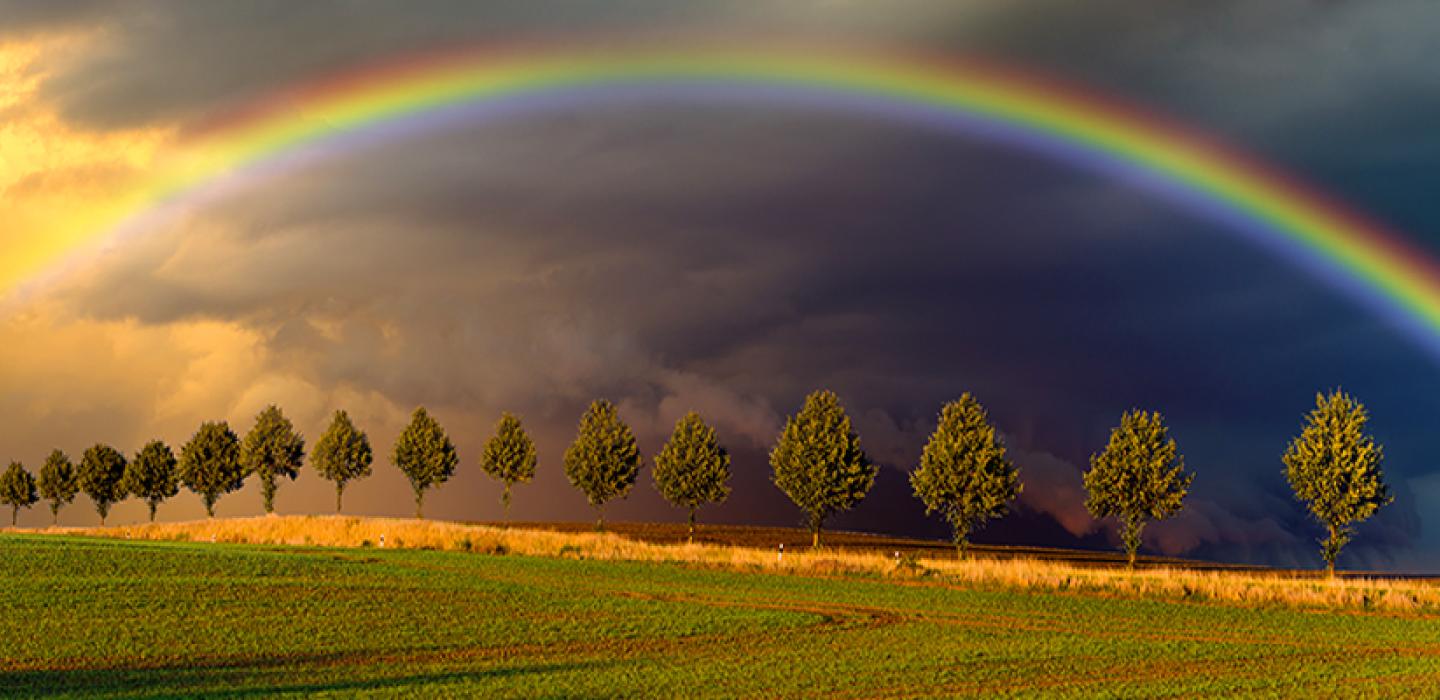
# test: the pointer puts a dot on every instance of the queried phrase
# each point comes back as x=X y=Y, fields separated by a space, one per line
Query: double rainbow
x=357 y=109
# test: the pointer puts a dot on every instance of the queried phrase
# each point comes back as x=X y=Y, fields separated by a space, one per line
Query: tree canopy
x=272 y=450
x=818 y=462
x=509 y=456
x=58 y=482
x=152 y=476
x=1140 y=476
x=604 y=459
x=210 y=463
x=964 y=473
x=424 y=453
x=102 y=477
x=1334 y=468
x=17 y=490
x=692 y=469
x=342 y=455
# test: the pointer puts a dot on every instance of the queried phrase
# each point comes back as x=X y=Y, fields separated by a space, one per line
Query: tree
x=210 y=463
x=425 y=454
x=1334 y=467
x=58 y=482
x=17 y=490
x=151 y=475
x=342 y=455
x=692 y=468
x=604 y=460
x=102 y=477
x=271 y=450
x=509 y=456
x=1139 y=477
x=818 y=462
x=964 y=474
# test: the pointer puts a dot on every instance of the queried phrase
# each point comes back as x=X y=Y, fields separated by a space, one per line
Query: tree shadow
x=245 y=677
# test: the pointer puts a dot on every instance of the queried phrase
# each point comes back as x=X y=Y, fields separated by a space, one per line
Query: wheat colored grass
x=1010 y=573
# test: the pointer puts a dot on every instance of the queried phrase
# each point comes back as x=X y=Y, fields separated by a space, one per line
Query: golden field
x=1014 y=570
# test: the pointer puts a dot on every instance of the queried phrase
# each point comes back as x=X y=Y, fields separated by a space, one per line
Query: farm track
x=838 y=617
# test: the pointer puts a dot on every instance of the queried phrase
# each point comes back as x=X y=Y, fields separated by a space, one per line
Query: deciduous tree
x=1140 y=476
x=17 y=490
x=425 y=454
x=818 y=463
x=342 y=455
x=272 y=449
x=102 y=477
x=509 y=457
x=1334 y=467
x=152 y=476
x=210 y=463
x=58 y=482
x=964 y=473
x=604 y=460
x=692 y=469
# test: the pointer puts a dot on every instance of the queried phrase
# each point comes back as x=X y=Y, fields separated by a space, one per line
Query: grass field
x=92 y=617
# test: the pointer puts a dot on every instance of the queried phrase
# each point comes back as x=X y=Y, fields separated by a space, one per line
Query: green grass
x=92 y=617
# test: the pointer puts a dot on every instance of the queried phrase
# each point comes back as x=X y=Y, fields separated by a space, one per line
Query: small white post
x=781 y=555
x=382 y=540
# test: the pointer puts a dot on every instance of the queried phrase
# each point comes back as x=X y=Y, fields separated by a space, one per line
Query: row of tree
x=817 y=461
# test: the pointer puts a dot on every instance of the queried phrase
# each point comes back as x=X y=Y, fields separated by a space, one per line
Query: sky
x=673 y=253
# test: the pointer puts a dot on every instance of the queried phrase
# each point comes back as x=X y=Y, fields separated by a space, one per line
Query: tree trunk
x=152 y=511
x=419 y=505
x=600 y=519
x=339 y=492
x=14 y=515
x=505 y=503
x=1331 y=551
x=962 y=542
x=1130 y=531
x=55 y=514
x=690 y=539
x=815 y=538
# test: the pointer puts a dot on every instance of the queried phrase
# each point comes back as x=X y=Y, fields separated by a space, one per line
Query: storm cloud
x=674 y=254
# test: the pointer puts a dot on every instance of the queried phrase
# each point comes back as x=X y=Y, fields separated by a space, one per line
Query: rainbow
x=400 y=97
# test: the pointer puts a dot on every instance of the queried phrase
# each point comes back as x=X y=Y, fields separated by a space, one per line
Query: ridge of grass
x=1022 y=573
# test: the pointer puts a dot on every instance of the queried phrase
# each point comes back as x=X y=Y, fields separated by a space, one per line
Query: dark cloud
x=20 y=18
x=671 y=254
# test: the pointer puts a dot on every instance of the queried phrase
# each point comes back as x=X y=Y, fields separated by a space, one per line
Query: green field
x=91 y=617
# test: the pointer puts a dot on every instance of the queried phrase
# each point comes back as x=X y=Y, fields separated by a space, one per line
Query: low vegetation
x=1172 y=582
x=166 y=619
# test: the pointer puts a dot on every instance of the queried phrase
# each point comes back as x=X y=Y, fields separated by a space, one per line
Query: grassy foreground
x=89 y=617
